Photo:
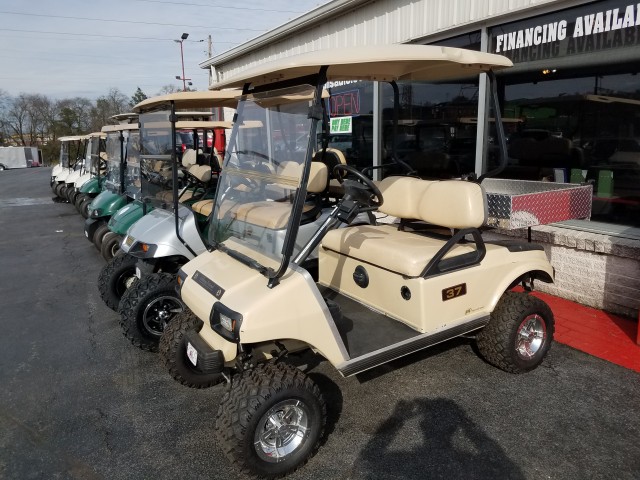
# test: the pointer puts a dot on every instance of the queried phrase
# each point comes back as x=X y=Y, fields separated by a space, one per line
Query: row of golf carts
x=230 y=268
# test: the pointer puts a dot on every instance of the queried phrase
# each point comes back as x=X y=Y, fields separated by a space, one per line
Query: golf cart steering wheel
x=362 y=189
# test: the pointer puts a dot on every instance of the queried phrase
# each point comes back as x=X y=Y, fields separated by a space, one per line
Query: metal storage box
x=519 y=203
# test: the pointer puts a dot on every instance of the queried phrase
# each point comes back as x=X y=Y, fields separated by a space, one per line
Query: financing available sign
x=598 y=26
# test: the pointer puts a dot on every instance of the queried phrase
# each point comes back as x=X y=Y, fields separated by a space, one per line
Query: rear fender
x=542 y=271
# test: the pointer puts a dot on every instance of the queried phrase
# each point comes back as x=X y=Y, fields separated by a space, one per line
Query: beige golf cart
x=382 y=292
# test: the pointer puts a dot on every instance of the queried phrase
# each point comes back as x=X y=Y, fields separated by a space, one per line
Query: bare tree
x=111 y=104
x=166 y=89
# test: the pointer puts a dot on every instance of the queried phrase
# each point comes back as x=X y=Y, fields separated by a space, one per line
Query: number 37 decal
x=453 y=292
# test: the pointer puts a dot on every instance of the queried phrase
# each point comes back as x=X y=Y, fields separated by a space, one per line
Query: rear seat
x=452 y=204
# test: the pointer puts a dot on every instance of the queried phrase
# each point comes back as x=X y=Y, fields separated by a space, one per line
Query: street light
x=183 y=78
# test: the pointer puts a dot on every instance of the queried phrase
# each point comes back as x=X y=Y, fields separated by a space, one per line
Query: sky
x=70 y=48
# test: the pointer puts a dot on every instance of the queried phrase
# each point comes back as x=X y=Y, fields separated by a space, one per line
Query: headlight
x=225 y=322
x=96 y=213
x=140 y=249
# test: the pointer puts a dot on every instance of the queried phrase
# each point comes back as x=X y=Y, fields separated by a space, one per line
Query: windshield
x=64 y=154
x=132 y=180
x=112 y=177
x=96 y=144
x=261 y=173
x=156 y=160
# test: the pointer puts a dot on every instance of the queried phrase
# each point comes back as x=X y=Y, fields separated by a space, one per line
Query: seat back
x=447 y=203
x=318 y=174
x=189 y=157
x=201 y=172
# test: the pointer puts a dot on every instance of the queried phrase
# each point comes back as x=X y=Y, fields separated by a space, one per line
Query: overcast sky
x=68 y=48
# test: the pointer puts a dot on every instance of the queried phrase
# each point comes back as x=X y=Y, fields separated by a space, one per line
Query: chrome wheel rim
x=114 y=249
x=125 y=281
x=159 y=312
x=282 y=431
x=530 y=336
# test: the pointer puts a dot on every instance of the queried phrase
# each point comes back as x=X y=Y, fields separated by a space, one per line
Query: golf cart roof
x=191 y=124
x=72 y=138
x=97 y=134
x=125 y=117
x=120 y=127
x=185 y=100
x=374 y=63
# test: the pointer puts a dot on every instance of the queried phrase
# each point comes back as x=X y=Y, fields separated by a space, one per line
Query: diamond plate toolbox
x=520 y=203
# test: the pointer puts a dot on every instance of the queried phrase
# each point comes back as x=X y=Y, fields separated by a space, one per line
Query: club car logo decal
x=453 y=292
x=208 y=284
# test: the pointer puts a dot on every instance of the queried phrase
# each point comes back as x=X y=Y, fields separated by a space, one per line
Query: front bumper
x=90 y=227
x=207 y=360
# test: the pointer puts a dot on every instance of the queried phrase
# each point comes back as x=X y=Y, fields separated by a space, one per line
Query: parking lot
x=77 y=400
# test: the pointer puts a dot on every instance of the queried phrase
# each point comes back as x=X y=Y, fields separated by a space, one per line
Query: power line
x=86 y=34
x=221 y=6
x=129 y=21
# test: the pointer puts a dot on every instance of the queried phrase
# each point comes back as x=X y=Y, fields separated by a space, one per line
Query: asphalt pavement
x=78 y=401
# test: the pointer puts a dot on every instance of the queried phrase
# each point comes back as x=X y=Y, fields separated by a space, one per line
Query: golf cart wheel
x=271 y=420
x=115 y=278
x=78 y=201
x=173 y=352
x=73 y=196
x=147 y=307
x=84 y=207
x=57 y=188
x=110 y=245
x=99 y=234
x=519 y=334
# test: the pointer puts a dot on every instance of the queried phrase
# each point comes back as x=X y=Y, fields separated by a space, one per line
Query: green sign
x=340 y=125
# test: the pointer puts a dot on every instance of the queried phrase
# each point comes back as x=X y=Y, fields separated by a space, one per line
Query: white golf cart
x=382 y=291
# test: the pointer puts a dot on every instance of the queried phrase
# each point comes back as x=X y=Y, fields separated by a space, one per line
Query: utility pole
x=210 y=52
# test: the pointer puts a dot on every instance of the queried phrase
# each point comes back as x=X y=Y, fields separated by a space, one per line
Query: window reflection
x=580 y=129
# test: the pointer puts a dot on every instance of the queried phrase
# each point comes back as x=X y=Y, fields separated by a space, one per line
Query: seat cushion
x=406 y=253
x=203 y=207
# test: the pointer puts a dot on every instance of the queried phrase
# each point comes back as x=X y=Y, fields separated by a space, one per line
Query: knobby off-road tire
x=173 y=352
x=110 y=245
x=519 y=334
x=99 y=234
x=271 y=420
x=147 y=308
x=115 y=278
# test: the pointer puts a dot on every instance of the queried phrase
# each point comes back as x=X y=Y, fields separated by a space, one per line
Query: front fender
x=294 y=310
x=126 y=216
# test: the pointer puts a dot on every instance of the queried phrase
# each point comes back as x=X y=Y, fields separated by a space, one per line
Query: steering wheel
x=362 y=190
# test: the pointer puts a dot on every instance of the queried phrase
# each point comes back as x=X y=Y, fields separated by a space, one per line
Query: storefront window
x=436 y=132
x=572 y=114
x=350 y=108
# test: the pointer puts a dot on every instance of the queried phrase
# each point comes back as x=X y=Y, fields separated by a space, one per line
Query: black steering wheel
x=362 y=190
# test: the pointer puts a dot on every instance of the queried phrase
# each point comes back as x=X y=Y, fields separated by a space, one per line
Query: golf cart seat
x=203 y=207
x=332 y=157
x=189 y=157
x=275 y=214
x=453 y=204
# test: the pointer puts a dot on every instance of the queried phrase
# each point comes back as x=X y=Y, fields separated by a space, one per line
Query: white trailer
x=19 y=157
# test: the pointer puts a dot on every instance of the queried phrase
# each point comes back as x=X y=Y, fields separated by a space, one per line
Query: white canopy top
x=72 y=138
x=379 y=63
x=186 y=100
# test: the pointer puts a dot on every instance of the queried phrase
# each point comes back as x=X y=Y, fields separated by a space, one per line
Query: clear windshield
x=156 y=163
x=64 y=154
x=132 y=179
x=94 y=166
x=112 y=176
x=262 y=171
